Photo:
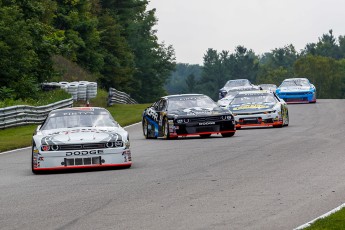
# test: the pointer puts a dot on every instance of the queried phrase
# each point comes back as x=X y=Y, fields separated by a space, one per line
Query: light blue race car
x=297 y=90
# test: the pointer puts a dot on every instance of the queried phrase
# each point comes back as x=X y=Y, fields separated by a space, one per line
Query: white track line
x=131 y=125
x=320 y=217
x=14 y=150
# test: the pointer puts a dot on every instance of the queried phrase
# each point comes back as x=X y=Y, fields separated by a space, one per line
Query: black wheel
x=32 y=164
x=282 y=114
x=166 y=133
x=32 y=160
x=205 y=135
x=228 y=134
x=287 y=119
x=146 y=129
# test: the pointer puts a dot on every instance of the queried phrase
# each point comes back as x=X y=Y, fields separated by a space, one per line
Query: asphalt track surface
x=272 y=178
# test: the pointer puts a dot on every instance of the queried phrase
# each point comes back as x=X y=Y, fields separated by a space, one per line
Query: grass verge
x=336 y=221
x=19 y=137
x=16 y=137
x=44 y=98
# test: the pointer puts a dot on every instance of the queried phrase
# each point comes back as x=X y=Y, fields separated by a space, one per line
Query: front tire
x=146 y=129
x=228 y=134
x=166 y=133
x=287 y=119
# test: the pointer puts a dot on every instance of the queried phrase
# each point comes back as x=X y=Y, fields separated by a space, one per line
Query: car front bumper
x=298 y=97
x=258 y=120
x=63 y=160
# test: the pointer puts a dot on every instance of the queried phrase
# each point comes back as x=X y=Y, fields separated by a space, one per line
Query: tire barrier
x=79 y=90
x=118 y=97
x=23 y=114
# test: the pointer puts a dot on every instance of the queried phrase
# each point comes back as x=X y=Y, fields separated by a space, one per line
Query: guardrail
x=118 y=97
x=24 y=114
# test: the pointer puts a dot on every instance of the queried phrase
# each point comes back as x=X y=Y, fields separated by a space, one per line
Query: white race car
x=259 y=108
x=236 y=85
x=79 y=138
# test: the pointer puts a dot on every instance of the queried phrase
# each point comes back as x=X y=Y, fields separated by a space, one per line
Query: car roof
x=297 y=78
x=255 y=92
x=182 y=95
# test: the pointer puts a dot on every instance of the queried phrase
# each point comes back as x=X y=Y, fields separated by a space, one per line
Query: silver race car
x=79 y=138
x=259 y=108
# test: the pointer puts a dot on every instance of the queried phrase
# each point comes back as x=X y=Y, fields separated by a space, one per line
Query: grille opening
x=87 y=161
x=83 y=161
x=78 y=161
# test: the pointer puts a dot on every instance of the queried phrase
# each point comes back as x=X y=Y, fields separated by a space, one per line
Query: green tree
x=82 y=39
x=277 y=65
x=191 y=83
x=177 y=81
x=213 y=75
x=19 y=63
x=153 y=62
x=326 y=46
x=119 y=65
x=245 y=64
x=324 y=72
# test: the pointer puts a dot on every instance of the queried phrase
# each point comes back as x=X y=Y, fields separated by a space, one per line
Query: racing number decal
x=152 y=114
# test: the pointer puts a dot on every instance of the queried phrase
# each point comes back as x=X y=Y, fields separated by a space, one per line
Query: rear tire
x=166 y=133
x=287 y=117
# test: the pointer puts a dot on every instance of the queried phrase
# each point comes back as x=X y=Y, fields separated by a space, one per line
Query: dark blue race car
x=186 y=115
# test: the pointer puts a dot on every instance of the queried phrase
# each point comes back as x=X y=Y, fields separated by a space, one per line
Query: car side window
x=155 y=105
x=162 y=105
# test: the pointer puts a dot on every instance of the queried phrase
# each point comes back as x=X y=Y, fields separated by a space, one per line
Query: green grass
x=127 y=114
x=45 y=98
x=336 y=221
x=19 y=137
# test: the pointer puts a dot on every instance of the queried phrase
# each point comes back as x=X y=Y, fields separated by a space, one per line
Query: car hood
x=294 y=88
x=199 y=111
x=80 y=135
x=251 y=107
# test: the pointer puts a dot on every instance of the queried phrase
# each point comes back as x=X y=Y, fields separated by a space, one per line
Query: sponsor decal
x=78 y=113
x=207 y=123
x=83 y=152
x=127 y=156
x=256 y=106
x=151 y=113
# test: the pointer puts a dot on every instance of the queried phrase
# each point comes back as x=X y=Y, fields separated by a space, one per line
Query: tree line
x=114 y=40
x=323 y=63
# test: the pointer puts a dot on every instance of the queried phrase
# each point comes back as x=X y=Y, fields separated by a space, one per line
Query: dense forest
x=323 y=63
x=113 y=40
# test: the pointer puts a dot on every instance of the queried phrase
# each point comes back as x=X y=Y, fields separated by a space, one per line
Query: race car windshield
x=236 y=83
x=294 y=83
x=260 y=98
x=190 y=102
x=78 y=120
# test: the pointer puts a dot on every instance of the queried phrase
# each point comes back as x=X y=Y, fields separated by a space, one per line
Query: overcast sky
x=193 y=26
